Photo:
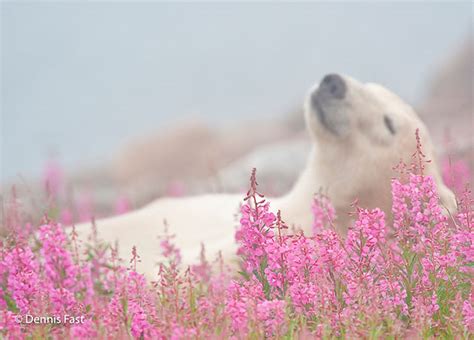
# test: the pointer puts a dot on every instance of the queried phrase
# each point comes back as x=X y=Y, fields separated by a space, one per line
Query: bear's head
x=361 y=131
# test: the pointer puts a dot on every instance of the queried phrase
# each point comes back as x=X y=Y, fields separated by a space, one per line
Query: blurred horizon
x=79 y=81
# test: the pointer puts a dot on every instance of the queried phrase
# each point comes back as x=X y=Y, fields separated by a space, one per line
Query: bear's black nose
x=333 y=85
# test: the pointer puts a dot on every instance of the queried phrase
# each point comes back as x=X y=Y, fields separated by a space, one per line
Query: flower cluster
x=408 y=279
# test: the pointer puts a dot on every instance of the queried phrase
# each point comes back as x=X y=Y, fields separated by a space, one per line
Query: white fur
x=356 y=164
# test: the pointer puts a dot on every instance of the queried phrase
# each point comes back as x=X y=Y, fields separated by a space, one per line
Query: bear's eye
x=389 y=124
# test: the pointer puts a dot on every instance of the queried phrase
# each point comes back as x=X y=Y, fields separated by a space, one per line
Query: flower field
x=406 y=278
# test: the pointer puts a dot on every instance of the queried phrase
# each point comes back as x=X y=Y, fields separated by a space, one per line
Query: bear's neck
x=308 y=183
x=295 y=206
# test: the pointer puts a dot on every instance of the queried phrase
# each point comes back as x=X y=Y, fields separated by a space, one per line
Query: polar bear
x=359 y=132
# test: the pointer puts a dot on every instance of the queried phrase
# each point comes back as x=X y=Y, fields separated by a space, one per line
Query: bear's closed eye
x=389 y=124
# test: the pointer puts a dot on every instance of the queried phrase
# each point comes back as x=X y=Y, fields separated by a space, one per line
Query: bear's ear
x=447 y=200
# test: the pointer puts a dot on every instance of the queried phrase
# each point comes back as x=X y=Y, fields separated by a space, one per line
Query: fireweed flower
x=202 y=271
x=272 y=315
x=53 y=178
x=468 y=314
x=9 y=326
x=84 y=207
x=168 y=248
x=21 y=270
x=456 y=173
x=122 y=205
x=241 y=301
x=58 y=263
x=416 y=283
x=324 y=213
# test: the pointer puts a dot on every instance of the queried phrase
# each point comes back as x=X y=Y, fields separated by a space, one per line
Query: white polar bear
x=359 y=132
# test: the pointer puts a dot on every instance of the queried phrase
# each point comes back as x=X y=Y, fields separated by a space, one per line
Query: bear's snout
x=333 y=85
x=326 y=102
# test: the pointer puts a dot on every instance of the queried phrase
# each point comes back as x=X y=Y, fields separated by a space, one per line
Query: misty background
x=80 y=81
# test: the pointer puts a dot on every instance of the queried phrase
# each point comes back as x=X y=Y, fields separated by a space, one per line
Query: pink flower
x=84 y=330
x=66 y=217
x=324 y=213
x=241 y=300
x=455 y=174
x=122 y=205
x=272 y=315
x=323 y=285
x=58 y=266
x=468 y=314
x=140 y=326
x=176 y=189
x=170 y=251
x=21 y=269
x=9 y=325
x=203 y=269
x=84 y=207
x=53 y=178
